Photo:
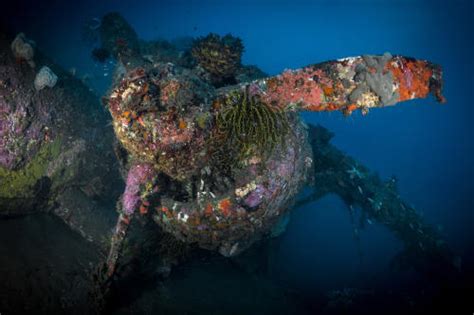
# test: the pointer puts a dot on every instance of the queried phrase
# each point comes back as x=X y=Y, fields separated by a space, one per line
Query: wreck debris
x=118 y=237
x=379 y=202
x=118 y=38
x=49 y=146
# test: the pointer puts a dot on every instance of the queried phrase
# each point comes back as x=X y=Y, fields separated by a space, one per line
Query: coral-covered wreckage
x=220 y=165
x=215 y=151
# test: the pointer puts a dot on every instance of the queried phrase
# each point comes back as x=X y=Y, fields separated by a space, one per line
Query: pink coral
x=138 y=176
x=293 y=87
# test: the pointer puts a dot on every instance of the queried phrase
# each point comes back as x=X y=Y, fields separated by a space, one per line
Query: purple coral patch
x=256 y=197
x=22 y=127
x=138 y=175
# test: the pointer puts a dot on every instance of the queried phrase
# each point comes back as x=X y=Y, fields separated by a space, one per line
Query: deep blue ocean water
x=428 y=146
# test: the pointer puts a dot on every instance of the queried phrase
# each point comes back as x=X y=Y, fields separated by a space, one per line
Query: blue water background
x=429 y=147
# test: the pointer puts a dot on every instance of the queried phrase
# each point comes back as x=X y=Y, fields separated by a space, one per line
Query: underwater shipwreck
x=212 y=154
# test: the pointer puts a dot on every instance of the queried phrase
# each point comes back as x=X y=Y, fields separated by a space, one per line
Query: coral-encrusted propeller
x=221 y=167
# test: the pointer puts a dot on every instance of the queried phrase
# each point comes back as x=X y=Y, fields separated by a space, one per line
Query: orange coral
x=328 y=90
x=182 y=124
x=208 y=210
x=225 y=206
x=413 y=78
x=349 y=109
